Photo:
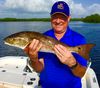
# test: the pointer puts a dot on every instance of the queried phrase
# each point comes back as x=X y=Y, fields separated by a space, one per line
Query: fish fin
x=84 y=50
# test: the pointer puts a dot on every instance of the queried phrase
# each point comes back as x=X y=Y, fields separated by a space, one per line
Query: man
x=63 y=69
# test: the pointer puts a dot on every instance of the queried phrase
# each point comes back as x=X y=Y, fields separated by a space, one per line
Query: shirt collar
x=67 y=33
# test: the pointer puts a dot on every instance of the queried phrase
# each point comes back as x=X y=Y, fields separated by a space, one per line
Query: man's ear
x=69 y=17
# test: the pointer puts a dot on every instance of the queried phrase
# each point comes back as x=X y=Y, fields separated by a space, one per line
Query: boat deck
x=16 y=73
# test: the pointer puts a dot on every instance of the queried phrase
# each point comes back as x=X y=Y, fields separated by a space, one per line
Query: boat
x=15 y=72
x=89 y=80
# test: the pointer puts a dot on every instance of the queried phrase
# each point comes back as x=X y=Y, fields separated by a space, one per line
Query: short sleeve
x=80 y=59
x=40 y=55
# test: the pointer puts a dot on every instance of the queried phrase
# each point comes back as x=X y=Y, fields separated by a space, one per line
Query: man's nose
x=57 y=20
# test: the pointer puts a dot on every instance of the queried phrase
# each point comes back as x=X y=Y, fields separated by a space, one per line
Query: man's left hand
x=64 y=55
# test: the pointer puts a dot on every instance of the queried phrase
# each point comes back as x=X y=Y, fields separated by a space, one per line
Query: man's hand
x=64 y=55
x=32 y=49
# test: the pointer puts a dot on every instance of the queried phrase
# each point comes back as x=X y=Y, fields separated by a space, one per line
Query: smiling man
x=62 y=69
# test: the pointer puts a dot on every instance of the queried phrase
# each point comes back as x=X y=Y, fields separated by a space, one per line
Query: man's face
x=59 y=22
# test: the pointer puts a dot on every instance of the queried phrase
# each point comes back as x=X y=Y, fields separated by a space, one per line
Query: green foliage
x=23 y=19
x=32 y=19
x=95 y=18
x=76 y=19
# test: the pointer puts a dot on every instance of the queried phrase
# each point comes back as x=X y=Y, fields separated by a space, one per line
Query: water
x=90 y=31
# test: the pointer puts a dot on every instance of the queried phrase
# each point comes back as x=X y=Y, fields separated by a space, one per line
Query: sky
x=41 y=8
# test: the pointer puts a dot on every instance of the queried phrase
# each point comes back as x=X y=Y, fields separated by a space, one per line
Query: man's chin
x=59 y=31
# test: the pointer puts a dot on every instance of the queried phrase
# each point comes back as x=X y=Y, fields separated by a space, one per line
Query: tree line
x=94 y=18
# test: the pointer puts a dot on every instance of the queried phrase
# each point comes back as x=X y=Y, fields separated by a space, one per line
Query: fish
x=24 y=38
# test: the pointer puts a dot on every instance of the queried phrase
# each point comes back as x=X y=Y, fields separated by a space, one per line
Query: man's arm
x=37 y=65
x=78 y=70
x=68 y=59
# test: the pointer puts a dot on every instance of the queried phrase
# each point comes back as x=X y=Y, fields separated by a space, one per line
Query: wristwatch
x=74 y=66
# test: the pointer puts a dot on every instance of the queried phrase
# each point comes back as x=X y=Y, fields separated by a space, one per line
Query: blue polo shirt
x=58 y=75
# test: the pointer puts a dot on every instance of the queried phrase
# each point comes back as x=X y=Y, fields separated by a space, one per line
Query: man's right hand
x=32 y=49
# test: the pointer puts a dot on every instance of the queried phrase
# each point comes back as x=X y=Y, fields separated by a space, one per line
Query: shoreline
x=95 y=18
x=31 y=19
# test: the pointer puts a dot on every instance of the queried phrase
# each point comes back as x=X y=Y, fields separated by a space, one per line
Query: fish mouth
x=22 y=47
x=7 y=43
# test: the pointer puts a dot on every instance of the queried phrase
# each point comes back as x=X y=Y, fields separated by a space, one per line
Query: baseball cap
x=60 y=7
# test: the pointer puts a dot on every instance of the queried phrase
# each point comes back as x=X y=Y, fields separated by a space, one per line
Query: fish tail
x=84 y=50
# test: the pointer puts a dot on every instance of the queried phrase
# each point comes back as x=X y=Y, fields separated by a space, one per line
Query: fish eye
x=79 y=48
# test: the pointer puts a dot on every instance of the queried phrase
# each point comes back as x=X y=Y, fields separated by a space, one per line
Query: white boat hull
x=13 y=73
x=16 y=73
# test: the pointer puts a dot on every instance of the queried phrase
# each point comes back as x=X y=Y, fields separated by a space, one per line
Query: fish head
x=16 y=40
